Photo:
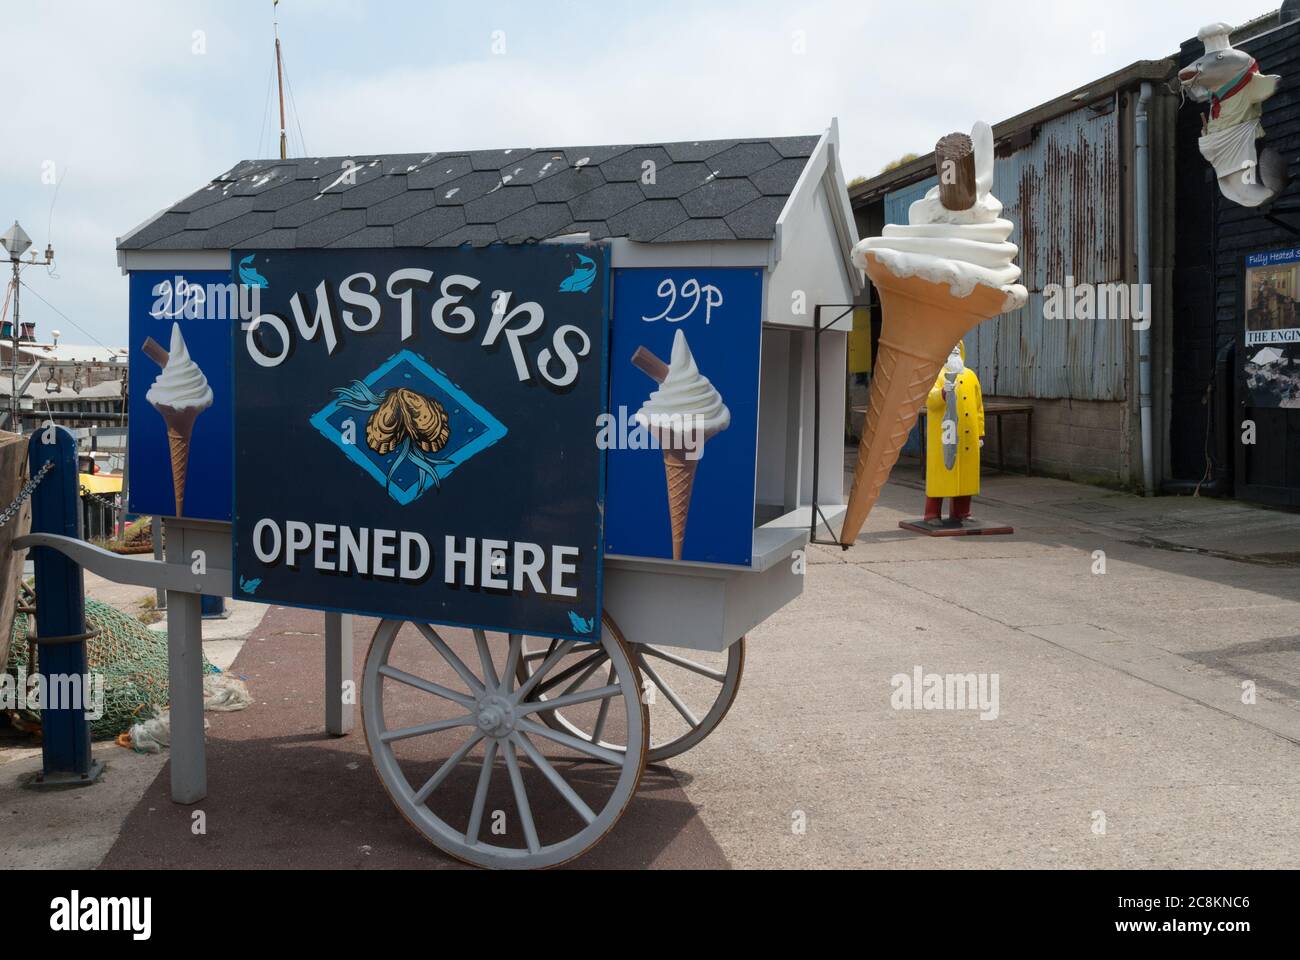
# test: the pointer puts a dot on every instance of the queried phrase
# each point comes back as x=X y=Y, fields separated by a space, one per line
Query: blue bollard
x=60 y=613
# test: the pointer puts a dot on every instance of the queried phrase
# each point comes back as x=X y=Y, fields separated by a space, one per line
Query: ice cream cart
x=440 y=336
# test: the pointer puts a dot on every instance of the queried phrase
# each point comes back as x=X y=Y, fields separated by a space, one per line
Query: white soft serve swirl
x=960 y=248
x=686 y=401
x=181 y=385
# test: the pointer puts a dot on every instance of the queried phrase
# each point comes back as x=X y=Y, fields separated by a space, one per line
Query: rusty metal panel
x=1063 y=192
x=900 y=201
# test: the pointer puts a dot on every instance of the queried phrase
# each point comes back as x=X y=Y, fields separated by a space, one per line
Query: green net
x=128 y=658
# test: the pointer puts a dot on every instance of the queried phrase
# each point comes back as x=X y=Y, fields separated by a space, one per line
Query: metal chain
x=11 y=511
x=94 y=496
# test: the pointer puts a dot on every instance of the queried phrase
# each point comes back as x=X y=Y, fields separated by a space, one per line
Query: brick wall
x=1085 y=440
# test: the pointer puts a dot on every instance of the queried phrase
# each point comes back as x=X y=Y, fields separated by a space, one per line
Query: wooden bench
x=995 y=409
x=1004 y=408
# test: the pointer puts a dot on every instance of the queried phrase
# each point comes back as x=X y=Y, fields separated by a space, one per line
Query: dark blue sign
x=415 y=435
x=178 y=432
x=683 y=452
x=1274 y=258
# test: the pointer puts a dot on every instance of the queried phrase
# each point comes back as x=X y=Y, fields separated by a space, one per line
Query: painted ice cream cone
x=180 y=394
x=180 y=430
x=684 y=414
x=679 y=471
x=938 y=278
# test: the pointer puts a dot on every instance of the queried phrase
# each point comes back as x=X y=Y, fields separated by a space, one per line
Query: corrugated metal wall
x=1063 y=193
x=900 y=201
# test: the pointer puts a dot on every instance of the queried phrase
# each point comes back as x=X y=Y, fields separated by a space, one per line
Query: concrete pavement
x=74 y=829
x=283 y=794
x=1147 y=664
x=1120 y=694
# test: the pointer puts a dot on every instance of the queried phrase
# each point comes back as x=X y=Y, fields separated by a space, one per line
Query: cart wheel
x=670 y=684
x=436 y=727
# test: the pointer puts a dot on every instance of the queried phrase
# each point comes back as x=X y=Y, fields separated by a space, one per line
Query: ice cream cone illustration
x=679 y=471
x=938 y=278
x=683 y=414
x=180 y=429
x=180 y=394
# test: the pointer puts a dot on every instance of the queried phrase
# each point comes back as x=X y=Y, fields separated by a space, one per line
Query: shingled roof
x=701 y=191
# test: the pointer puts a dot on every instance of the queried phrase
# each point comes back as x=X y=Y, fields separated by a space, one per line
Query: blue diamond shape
x=473 y=429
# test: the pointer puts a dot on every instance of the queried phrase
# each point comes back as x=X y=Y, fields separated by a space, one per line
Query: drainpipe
x=1142 y=176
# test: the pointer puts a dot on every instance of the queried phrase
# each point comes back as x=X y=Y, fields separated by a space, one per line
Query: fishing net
x=130 y=658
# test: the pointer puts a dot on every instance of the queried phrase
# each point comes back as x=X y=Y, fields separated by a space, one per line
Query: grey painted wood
x=189 y=771
x=173 y=260
x=169 y=576
x=160 y=595
x=794 y=422
x=185 y=673
x=340 y=684
x=702 y=608
x=732 y=253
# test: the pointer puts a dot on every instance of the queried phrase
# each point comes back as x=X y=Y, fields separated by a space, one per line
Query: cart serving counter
x=374 y=383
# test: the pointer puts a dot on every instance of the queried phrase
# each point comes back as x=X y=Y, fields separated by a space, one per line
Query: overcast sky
x=134 y=104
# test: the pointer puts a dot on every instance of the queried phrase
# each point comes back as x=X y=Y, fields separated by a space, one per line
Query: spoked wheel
x=687 y=698
x=464 y=755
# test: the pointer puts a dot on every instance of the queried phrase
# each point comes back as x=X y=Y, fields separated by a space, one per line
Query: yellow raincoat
x=963 y=480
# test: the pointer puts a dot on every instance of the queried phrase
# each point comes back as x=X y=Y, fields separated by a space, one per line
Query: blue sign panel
x=415 y=435
x=179 y=404
x=1272 y=300
x=682 y=429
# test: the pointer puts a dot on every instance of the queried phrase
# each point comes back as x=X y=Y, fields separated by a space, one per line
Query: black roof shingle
x=652 y=193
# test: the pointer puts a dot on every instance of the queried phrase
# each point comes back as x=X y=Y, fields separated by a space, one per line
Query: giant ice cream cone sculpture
x=684 y=414
x=941 y=276
x=180 y=394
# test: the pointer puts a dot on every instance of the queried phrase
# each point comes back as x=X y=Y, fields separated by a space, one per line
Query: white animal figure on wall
x=1231 y=82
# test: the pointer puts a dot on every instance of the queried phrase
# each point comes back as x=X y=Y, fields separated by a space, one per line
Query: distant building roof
x=104 y=390
x=872 y=189
x=653 y=193
x=39 y=391
x=71 y=353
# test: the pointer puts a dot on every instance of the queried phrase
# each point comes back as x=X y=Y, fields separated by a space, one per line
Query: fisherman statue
x=954 y=436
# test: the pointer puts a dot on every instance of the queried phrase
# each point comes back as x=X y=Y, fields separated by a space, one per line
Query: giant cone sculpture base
x=922 y=323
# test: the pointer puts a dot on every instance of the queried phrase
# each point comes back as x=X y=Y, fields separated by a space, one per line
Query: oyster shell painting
x=405 y=414
x=405 y=422
x=416 y=428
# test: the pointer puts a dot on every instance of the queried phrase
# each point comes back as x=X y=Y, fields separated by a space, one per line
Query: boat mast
x=279 y=82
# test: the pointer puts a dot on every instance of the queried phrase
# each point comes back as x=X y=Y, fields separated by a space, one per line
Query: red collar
x=1232 y=91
